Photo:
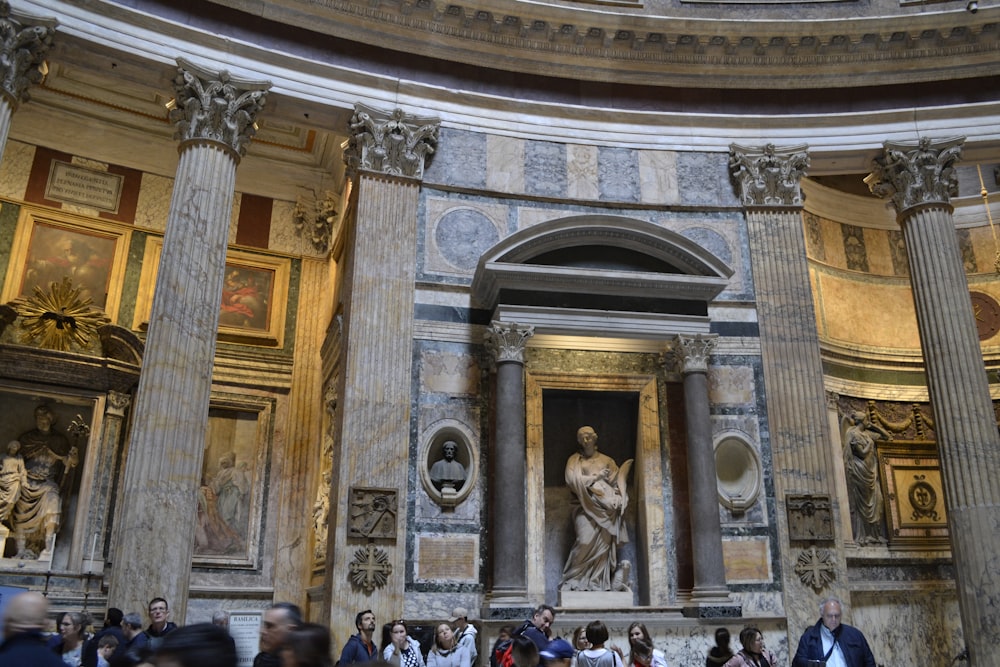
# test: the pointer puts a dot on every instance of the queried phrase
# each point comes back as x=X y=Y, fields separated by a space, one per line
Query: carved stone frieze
x=654 y=51
x=370 y=568
x=915 y=173
x=768 y=176
x=24 y=42
x=373 y=513
x=216 y=107
x=391 y=143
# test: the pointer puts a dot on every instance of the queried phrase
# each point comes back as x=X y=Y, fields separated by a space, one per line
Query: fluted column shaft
x=919 y=178
x=506 y=342
x=164 y=460
x=386 y=159
x=801 y=448
x=24 y=42
x=706 y=528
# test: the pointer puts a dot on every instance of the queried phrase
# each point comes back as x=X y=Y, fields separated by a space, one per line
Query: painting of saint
x=246 y=297
x=55 y=252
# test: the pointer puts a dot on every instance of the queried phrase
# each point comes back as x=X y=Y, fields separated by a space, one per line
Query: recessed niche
x=738 y=471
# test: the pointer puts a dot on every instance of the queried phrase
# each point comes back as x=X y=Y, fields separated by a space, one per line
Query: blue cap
x=558 y=649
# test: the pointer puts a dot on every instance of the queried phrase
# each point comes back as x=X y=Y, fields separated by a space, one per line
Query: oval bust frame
x=431 y=445
x=739 y=476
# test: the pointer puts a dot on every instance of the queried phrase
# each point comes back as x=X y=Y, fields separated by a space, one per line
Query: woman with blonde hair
x=446 y=651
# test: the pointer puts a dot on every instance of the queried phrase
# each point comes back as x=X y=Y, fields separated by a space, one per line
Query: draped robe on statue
x=599 y=502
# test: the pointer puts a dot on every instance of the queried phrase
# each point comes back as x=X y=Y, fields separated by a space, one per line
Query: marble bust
x=447 y=474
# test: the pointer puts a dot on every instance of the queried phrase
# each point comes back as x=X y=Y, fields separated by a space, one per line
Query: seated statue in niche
x=600 y=498
x=447 y=474
x=861 y=465
x=48 y=459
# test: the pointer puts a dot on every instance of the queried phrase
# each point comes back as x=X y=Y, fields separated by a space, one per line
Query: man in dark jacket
x=23 y=643
x=112 y=627
x=280 y=619
x=361 y=647
x=830 y=641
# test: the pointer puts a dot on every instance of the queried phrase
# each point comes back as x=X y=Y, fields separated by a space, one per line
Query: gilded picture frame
x=231 y=493
x=254 y=295
x=50 y=245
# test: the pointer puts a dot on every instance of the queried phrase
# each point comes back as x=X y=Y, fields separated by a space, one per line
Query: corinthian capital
x=216 y=107
x=768 y=176
x=914 y=173
x=395 y=144
x=506 y=341
x=24 y=41
x=691 y=352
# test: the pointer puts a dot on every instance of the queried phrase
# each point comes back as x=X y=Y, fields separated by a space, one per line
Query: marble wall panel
x=731 y=385
x=460 y=159
x=879 y=252
x=505 y=164
x=154 y=202
x=658 y=177
x=283 y=236
x=984 y=247
x=459 y=232
x=234 y=218
x=545 y=169
x=703 y=180
x=618 y=174
x=15 y=169
x=833 y=243
x=909 y=627
x=582 y=172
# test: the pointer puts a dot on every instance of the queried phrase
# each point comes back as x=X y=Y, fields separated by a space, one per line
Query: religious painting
x=254 y=295
x=49 y=247
x=231 y=491
x=914 y=495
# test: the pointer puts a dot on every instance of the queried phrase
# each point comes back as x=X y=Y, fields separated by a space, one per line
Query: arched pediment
x=607 y=256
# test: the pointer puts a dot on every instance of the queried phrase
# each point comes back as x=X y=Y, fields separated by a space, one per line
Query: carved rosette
x=506 y=341
x=769 y=176
x=692 y=352
x=24 y=41
x=391 y=143
x=915 y=173
x=216 y=107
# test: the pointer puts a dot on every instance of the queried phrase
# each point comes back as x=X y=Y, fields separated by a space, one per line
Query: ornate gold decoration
x=815 y=568
x=370 y=568
x=59 y=317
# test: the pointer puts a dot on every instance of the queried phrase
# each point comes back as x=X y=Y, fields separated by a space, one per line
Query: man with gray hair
x=23 y=620
x=832 y=643
x=136 y=641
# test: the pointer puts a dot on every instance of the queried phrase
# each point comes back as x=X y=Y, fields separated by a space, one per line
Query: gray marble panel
x=545 y=169
x=703 y=179
x=460 y=159
x=618 y=174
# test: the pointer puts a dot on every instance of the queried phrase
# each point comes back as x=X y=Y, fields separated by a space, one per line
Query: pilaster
x=385 y=159
x=919 y=178
x=767 y=180
x=214 y=121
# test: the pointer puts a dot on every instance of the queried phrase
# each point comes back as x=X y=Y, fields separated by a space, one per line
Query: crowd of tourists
x=287 y=641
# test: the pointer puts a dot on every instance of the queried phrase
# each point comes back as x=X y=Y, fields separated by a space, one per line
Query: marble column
x=385 y=158
x=214 y=121
x=506 y=342
x=767 y=183
x=919 y=178
x=24 y=41
x=706 y=529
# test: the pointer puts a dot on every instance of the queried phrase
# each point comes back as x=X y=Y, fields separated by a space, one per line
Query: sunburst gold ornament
x=58 y=317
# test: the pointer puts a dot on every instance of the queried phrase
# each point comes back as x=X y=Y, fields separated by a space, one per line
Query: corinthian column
x=214 y=121
x=385 y=159
x=24 y=41
x=706 y=530
x=919 y=178
x=506 y=342
x=767 y=181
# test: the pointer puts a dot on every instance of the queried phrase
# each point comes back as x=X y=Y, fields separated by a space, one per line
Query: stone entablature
x=605 y=46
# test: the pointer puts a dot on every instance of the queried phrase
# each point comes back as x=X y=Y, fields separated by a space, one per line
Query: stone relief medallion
x=986 y=311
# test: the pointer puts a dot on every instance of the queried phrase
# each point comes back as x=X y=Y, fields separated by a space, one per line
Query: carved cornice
x=769 y=176
x=912 y=174
x=24 y=41
x=392 y=143
x=663 y=50
x=216 y=107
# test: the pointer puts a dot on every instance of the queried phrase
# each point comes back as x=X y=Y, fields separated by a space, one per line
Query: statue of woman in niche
x=861 y=465
x=600 y=500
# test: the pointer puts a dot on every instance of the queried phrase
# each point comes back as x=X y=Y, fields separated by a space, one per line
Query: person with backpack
x=536 y=629
x=597 y=655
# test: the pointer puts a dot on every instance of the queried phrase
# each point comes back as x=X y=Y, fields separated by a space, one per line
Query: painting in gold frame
x=230 y=496
x=914 y=496
x=254 y=295
x=49 y=246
